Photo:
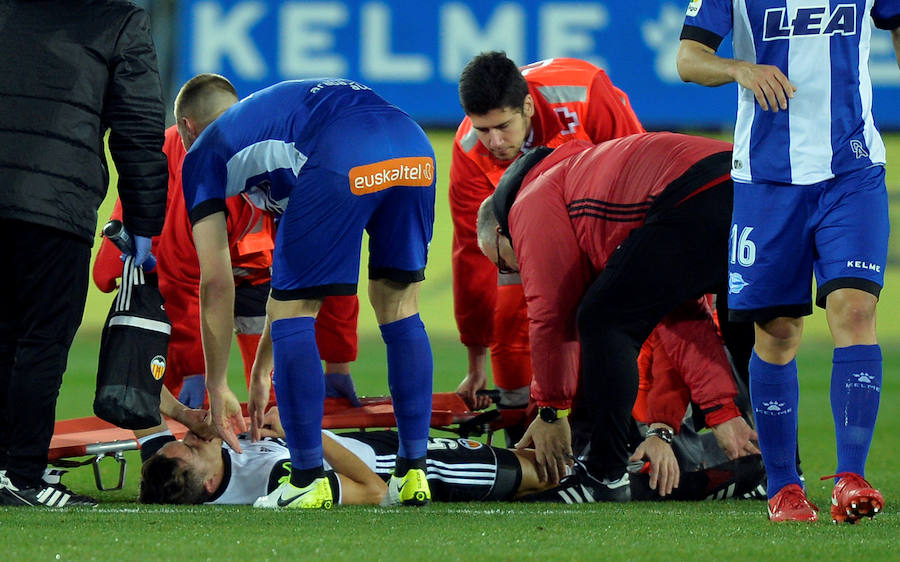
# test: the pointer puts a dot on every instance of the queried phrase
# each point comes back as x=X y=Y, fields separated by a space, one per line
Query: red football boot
x=791 y=504
x=853 y=498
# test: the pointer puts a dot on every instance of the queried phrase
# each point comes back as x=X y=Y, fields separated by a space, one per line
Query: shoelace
x=847 y=475
x=795 y=498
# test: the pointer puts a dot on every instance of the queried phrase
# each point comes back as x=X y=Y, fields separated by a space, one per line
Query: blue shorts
x=781 y=234
x=371 y=170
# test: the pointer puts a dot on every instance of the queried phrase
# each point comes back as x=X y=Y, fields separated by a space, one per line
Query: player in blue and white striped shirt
x=809 y=197
x=334 y=159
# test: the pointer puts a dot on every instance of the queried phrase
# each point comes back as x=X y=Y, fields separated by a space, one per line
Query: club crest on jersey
x=158 y=367
x=809 y=22
x=736 y=283
x=858 y=148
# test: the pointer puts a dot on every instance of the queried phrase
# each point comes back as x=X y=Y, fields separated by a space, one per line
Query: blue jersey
x=822 y=47
x=261 y=144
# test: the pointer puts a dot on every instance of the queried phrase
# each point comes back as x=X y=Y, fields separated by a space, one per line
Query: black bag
x=133 y=353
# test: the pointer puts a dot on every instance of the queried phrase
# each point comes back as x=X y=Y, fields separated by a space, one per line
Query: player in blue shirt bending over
x=334 y=159
x=809 y=196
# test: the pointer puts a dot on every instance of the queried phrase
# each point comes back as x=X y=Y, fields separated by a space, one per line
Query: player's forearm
x=699 y=64
x=360 y=484
x=216 y=325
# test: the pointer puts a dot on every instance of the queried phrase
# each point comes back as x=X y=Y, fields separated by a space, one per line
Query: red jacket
x=562 y=246
x=573 y=100
x=684 y=360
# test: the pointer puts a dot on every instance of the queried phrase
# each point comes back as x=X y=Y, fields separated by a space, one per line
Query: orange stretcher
x=97 y=439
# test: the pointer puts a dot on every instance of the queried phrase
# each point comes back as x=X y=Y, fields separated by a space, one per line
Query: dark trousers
x=43 y=290
x=678 y=254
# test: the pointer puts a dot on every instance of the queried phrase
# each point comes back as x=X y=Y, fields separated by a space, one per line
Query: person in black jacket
x=70 y=70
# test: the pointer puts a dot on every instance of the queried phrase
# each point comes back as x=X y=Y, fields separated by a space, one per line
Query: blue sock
x=300 y=391
x=410 y=370
x=774 y=394
x=855 y=394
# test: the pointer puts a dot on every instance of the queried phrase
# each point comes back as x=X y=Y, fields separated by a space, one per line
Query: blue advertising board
x=412 y=51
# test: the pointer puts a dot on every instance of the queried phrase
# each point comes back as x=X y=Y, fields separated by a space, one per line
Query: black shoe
x=44 y=495
x=53 y=478
x=581 y=487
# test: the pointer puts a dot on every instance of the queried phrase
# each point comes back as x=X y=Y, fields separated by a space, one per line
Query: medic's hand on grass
x=736 y=438
x=227 y=416
x=552 y=448
x=664 y=472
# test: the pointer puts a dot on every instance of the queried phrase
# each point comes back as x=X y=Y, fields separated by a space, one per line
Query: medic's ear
x=511 y=181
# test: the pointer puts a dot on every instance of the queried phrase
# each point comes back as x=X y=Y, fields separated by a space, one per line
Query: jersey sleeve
x=609 y=113
x=474 y=276
x=203 y=176
x=668 y=396
x=107 y=266
x=555 y=275
x=708 y=22
x=886 y=14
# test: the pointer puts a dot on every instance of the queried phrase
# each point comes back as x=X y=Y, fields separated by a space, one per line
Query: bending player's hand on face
x=227 y=416
x=664 y=472
x=769 y=85
x=736 y=438
x=552 y=448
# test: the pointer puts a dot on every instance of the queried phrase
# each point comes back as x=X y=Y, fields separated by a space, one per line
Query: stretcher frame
x=98 y=440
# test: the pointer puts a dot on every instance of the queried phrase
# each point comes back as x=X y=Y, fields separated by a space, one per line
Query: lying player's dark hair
x=165 y=480
x=491 y=81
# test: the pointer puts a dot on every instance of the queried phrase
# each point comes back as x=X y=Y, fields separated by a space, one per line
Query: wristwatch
x=550 y=414
x=662 y=432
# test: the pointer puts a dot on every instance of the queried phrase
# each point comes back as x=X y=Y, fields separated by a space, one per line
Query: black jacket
x=70 y=70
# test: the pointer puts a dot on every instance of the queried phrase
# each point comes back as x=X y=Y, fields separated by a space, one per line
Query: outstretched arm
x=359 y=483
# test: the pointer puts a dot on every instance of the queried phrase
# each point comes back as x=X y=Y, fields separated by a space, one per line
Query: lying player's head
x=182 y=472
x=199 y=102
x=494 y=95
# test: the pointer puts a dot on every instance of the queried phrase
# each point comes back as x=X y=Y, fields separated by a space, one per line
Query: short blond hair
x=204 y=97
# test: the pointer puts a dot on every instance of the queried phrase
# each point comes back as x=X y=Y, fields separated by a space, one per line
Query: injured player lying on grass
x=195 y=471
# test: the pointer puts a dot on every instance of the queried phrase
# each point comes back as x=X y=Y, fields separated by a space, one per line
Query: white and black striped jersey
x=457 y=469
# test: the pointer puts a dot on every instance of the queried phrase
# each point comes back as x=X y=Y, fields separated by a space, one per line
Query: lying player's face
x=503 y=131
x=200 y=454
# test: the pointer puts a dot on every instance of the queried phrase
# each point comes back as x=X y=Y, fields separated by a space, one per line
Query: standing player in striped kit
x=809 y=196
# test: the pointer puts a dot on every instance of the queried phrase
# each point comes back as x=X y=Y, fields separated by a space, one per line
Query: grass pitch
x=730 y=530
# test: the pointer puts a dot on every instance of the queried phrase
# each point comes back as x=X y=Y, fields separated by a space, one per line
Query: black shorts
x=459 y=470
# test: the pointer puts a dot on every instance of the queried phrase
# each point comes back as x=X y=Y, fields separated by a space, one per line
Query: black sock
x=302 y=478
x=404 y=465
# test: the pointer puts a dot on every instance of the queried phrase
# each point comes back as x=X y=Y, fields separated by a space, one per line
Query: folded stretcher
x=94 y=438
